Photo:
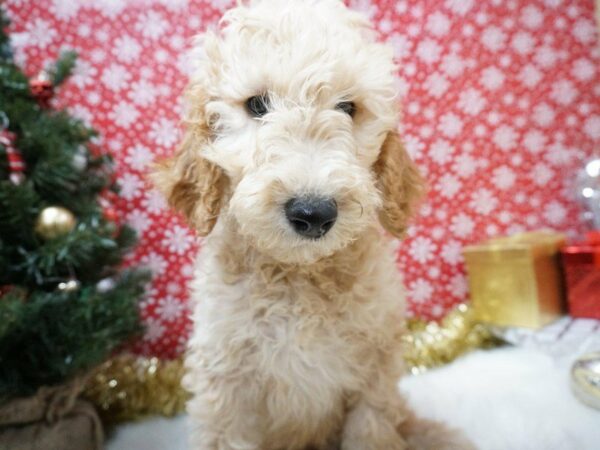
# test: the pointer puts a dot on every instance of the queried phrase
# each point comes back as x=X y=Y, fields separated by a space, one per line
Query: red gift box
x=582 y=272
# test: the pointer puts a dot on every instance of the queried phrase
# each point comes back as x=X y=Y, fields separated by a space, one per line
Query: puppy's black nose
x=311 y=217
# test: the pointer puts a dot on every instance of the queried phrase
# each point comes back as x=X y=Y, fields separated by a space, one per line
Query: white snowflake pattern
x=126 y=49
x=545 y=56
x=163 y=132
x=522 y=43
x=503 y=177
x=583 y=69
x=401 y=45
x=591 y=127
x=541 y=174
x=139 y=221
x=453 y=65
x=82 y=113
x=154 y=262
x=462 y=225
x=83 y=73
x=109 y=8
x=441 y=151
x=365 y=6
x=138 y=157
x=534 y=141
x=438 y=24
x=436 y=85
x=505 y=217
x=413 y=146
x=450 y=125
x=563 y=92
x=505 y=137
x=530 y=76
x=115 y=77
x=154 y=202
x=465 y=165
x=543 y=114
x=492 y=78
x=428 y=51
x=142 y=93
x=178 y=239
x=493 y=38
x=173 y=288
x=584 y=31
x=39 y=33
x=151 y=25
x=452 y=252
x=169 y=308
x=483 y=201
x=471 y=101
x=555 y=213
x=422 y=249
x=458 y=286
x=420 y=290
x=175 y=4
x=449 y=185
x=124 y=114
x=532 y=17
x=460 y=7
x=559 y=155
x=155 y=329
x=131 y=186
x=65 y=9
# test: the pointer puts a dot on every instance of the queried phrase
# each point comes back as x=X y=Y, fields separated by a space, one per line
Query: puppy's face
x=291 y=132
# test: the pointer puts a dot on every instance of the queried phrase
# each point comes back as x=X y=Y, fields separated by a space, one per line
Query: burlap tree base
x=53 y=419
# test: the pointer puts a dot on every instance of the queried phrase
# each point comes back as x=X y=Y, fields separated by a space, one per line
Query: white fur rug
x=504 y=399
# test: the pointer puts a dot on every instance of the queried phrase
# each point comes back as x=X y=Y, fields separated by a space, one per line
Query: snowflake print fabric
x=500 y=100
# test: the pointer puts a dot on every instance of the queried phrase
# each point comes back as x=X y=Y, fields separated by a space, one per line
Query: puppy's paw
x=423 y=434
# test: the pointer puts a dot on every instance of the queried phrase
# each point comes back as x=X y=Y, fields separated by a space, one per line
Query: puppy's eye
x=347 y=107
x=258 y=105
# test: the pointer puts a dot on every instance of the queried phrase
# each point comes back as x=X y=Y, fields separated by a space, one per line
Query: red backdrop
x=501 y=104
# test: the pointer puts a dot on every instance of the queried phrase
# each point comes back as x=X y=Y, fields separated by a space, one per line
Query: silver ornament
x=588 y=190
x=105 y=285
x=16 y=178
x=71 y=285
x=79 y=161
x=585 y=379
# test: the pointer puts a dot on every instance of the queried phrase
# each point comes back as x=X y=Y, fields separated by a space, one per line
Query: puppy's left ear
x=400 y=183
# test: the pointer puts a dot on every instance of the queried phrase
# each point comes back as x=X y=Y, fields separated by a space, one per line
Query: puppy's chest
x=305 y=336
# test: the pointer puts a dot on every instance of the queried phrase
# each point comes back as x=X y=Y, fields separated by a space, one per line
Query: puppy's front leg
x=372 y=422
x=376 y=423
x=224 y=414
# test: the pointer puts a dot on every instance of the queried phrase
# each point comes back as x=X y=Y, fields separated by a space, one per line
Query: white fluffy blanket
x=504 y=399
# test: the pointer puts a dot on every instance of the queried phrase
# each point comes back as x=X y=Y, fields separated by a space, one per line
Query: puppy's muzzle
x=311 y=217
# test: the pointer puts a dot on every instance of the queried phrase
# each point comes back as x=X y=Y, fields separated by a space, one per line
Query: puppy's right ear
x=191 y=184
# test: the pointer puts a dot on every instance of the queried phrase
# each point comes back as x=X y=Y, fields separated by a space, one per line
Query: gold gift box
x=517 y=280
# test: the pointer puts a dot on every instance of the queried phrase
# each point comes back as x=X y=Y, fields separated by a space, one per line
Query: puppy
x=290 y=162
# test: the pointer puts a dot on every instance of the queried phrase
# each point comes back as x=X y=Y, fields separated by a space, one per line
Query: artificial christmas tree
x=65 y=302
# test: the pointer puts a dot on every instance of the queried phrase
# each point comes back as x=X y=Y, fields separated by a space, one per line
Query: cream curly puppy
x=290 y=158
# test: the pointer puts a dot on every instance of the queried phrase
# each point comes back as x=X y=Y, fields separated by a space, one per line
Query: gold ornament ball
x=54 y=221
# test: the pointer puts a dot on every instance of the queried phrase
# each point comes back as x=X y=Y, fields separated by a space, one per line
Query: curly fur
x=297 y=342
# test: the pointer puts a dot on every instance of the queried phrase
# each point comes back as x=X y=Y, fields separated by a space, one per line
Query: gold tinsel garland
x=431 y=344
x=128 y=387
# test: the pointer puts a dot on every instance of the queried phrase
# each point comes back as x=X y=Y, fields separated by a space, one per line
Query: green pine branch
x=46 y=335
x=70 y=332
x=63 y=67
